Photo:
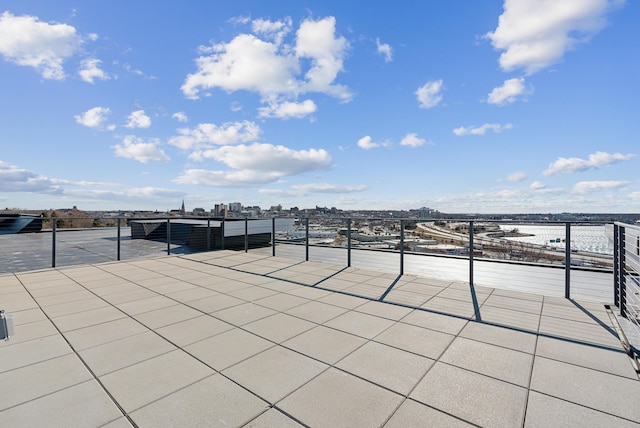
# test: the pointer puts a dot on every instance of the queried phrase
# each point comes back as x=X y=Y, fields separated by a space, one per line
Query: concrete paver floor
x=245 y=339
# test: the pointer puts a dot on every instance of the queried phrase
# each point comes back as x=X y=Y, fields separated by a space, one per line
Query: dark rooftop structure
x=19 y=223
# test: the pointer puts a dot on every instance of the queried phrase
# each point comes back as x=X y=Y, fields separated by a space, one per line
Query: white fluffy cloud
x=429 y=95
x=533 y=35
x=25 y=40
x=536 y=186
x=366 y=143
x=90 y=70
x=272 y=68
x=180 y=116
x=481 y=130
x=138 y=149
x=269 y=158
x=14 y=179
x=94 y=117
x=595 y=160
x=385 y=50
x=515 y=177
x=209 y=135
x=138 y=119
x=288 y=109
x=255 y=165
x=306 y=189
x=509 y=92
x=412 y=140
x=596 y=186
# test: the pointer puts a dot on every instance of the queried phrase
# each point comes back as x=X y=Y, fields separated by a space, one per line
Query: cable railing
x=497 y=254
x=626 y=273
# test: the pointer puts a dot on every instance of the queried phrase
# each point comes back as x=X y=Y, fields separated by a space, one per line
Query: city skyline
x=464 y=106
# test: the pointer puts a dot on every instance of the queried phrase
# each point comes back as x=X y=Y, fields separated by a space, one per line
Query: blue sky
x=461 y=106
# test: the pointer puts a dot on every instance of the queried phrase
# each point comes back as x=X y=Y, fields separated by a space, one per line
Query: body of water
x=583 y=238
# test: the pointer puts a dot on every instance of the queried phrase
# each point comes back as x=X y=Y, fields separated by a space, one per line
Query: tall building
x=235 y=207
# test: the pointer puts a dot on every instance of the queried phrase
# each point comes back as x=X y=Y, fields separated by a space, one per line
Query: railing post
x=54 y=224
x=348 y=242
x=168 y=237
x=401 y=247
x=118 y=252
x=471 y=252
x=222 y=234
x=273 y=236
x=246 y=234
x=306 y=245
x=567 y=262
x=616 y=267
x=622 y=270
x=208 y=233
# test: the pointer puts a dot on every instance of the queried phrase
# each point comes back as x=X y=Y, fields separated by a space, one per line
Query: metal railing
x=627 y=273
x=452 y=250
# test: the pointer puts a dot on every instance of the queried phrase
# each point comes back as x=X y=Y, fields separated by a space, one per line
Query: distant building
x=235 y=207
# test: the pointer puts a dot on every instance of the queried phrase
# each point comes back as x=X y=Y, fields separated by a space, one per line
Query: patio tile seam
x=86 y=365
x=589 y=368
x=47 y=394
x=586 y=407
x=535 y=354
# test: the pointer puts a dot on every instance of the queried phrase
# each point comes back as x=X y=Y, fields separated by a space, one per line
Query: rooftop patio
x=246 y=339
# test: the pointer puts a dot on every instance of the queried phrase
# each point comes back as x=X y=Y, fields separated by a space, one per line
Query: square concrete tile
x=166 y=316
x=186 y=332
x=609 y=360
x=316 y=312
x=279 y=327
x=243 y=314
x=121 y=353
x=433 y=321
x=450 y=306
x=510 y=318
x=85 y=405
x=252 y=294
x=472 y=397
x=191 y=294
x=33 y=351
x=390 y=367
x=273 y=418
x=215 y=303
x=494 y=361
x=414 y=414
x=98 y=334
x=343 y=301
x=588 y=332
x=138 y=385
x=212 y=401
x=275 y=373
x=228 y=348
x=384 y=310
x=501 y=336
x=281 y=301
x=37 y=380
x=544 y=411
x=26 y=332
x=513 y=303
x=422 y=341
x=337 y=399
x=325 y=344
x=364 y=325
x=74 y=307
x=145 y=305
x=85 y=319
x=587 y=387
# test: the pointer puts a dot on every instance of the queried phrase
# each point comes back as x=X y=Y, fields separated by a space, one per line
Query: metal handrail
x=627 y=272
x=174 y=240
